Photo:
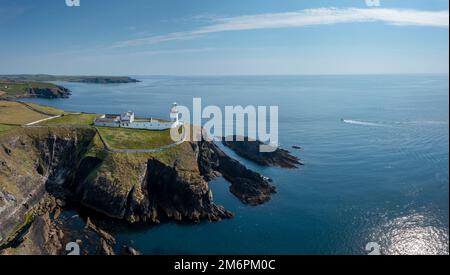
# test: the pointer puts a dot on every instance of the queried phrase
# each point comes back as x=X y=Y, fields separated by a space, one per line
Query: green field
x=16 y=113
x=71 y=119
x=121 y=138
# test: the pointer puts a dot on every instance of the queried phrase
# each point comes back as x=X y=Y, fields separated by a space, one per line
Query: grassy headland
x=19 y=89
x=19 y=86
x=121 y=138
x=13 y=114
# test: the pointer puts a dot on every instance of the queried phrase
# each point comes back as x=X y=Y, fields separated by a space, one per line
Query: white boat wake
x=363 y=123
x=393 y=124
x=429 y=122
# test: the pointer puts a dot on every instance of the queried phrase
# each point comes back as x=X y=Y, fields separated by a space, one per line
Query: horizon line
x=227 y=75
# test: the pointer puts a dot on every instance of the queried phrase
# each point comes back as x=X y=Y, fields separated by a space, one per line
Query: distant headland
x=82 y=79
x=38 y=85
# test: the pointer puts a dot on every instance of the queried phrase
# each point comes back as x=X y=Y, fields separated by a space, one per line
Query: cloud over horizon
x=302 y=18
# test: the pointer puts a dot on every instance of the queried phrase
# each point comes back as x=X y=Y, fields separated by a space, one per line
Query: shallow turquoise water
x=381 y=175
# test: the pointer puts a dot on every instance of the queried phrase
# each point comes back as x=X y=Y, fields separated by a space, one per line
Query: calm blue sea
x=380 y=175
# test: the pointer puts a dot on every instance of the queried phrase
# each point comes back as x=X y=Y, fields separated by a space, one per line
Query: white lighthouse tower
x=175 y=114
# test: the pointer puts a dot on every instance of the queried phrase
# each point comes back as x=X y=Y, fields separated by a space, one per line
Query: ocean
x=376 y=154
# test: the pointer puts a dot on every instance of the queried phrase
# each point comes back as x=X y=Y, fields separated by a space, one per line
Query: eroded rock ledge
x=250 y=149
x=250 y=187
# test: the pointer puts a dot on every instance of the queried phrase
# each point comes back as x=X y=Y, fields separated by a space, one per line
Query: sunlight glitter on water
x=414 y=234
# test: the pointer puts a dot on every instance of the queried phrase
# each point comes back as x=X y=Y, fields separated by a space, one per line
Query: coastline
x=73 y=181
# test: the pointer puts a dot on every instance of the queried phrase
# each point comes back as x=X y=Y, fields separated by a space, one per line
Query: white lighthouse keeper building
x=129 y=120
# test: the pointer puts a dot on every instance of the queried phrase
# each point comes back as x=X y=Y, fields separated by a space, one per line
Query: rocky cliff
x=34 y=162
x=48 y=92
x=70 y=164
x=147 y=187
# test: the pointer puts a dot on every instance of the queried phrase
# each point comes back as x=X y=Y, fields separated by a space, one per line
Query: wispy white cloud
x=328 y=16
x=157 y=39
x=303 y=18
x=177 y=51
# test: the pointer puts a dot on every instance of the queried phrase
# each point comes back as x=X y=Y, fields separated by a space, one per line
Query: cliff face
x=71 y=164
x=169 y=185
x=32 y=162
x=149 y=187
x=48 y=92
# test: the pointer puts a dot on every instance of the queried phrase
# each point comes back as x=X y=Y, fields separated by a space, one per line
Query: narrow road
x=42 y=120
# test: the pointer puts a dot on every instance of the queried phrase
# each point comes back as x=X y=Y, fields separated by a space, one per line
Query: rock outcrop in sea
x=249 y=186
x=250 y=149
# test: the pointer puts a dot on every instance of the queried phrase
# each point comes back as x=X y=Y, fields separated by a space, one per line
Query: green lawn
x=72 y=119
x=121 y=138
x=16 y=113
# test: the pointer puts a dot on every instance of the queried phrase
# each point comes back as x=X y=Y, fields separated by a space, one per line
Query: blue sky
x=232 y=37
